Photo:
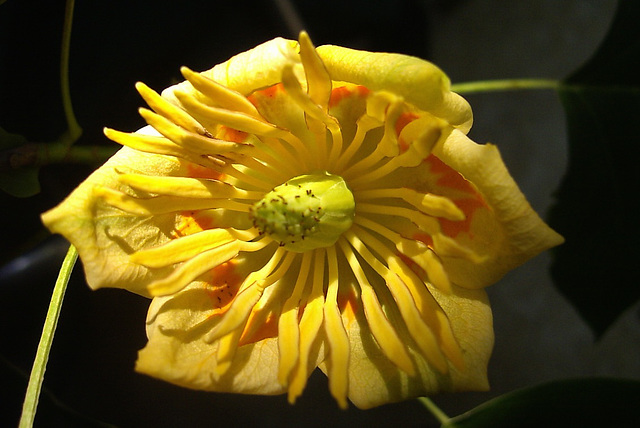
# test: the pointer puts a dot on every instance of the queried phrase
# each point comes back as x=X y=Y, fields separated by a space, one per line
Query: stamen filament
x=164 y=204
x=418 y=329
x=427 y=224
x=384 y=333
x=198 y=188
x=428 y=203
x=337 y=337
x=220 y=94
x=288 y=327
x=310 y=324
x=182 y=249
x=193 y=268
x=429 y=310
x=164 y=108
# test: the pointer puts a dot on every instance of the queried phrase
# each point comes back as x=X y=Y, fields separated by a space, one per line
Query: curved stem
x=42 y=355
x=74 y=128
x=504 y=85
x=435 y=410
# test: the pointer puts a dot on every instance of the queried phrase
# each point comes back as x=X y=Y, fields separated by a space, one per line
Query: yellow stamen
x=250 y=292
x=428 y=203
x=213 y=116
x=417 y=251
x=418 y=329
x=182 y=249
x=318 y=79
x=363 y=125
x=163 y=204
x=418 y=151
x=169 y=111
x=427 y=224
x=384 y=333
x=337 y=338
x=428 y=308
x=193 y=268
x=227 y=346
x=310 y=324
x=288 y=327
x=220 y=94
x=186 y=187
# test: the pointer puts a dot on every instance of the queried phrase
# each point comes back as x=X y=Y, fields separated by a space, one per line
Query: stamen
x=425 y=223
x=318 y=79
x=337 y=337
x=417 y=251
x=385 y=109
x=310 y=324
x=154 y=145
x=429 y=310
x=384 y=333
x=182 y=249
x=418 y=329
x=227 y=346
x=363 y=125
x=192 y=142
x=220 y=94
x=164 y=204
x=186 y=187
x=428 y=203
x=168 y=110
x=288 y=328
x=212 y=117
x=250 y=292
x=415 y=154
x=313 y=111
x=193 y=268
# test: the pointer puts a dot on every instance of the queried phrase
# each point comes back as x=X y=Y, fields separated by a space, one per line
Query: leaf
x=19 y=182
x=597 y=201
x=595 y=402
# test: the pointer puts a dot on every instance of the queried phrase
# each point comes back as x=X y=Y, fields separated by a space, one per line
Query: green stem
x=504 y=85
x=42 y=355
x=435 y=410
x=74 y=128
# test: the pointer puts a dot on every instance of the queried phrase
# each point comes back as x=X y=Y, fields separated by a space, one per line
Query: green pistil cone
x=307 y=212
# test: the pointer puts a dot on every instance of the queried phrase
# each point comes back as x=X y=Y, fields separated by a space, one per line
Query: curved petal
x=104 y=235
x=511 y=221
x=374 y=380
x=418 y=81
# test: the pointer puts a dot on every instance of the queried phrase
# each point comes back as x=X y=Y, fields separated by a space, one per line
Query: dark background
x=116 y=43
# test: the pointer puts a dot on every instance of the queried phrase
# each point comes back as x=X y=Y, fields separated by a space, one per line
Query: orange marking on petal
x=348 y=305
x=404 y=120
x=269 y=92
x=190 y=222
x=198 y=171
x=229 y=134
x=338 y=94
x=469 y=203
x=267 y=330
x=223 y=282
x=468 y=206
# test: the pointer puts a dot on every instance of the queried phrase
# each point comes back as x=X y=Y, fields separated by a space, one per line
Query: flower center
x=306 y=212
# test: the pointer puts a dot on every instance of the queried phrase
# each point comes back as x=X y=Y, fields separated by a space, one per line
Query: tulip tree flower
x=299 y=207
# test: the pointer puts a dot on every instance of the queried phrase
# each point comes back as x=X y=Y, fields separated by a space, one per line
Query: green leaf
x=595 y=402
x=19 y=182
x=597 y=201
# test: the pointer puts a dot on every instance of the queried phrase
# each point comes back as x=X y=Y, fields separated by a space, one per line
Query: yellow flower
x=299 y=207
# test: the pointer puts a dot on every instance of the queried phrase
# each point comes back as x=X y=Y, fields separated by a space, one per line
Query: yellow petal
x=417 y=81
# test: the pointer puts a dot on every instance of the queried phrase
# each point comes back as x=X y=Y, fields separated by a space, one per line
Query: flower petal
x=418 y=81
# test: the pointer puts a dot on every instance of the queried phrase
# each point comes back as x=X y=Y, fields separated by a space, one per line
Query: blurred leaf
x=597 y=207
x=19 y=182
x=570 y=403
